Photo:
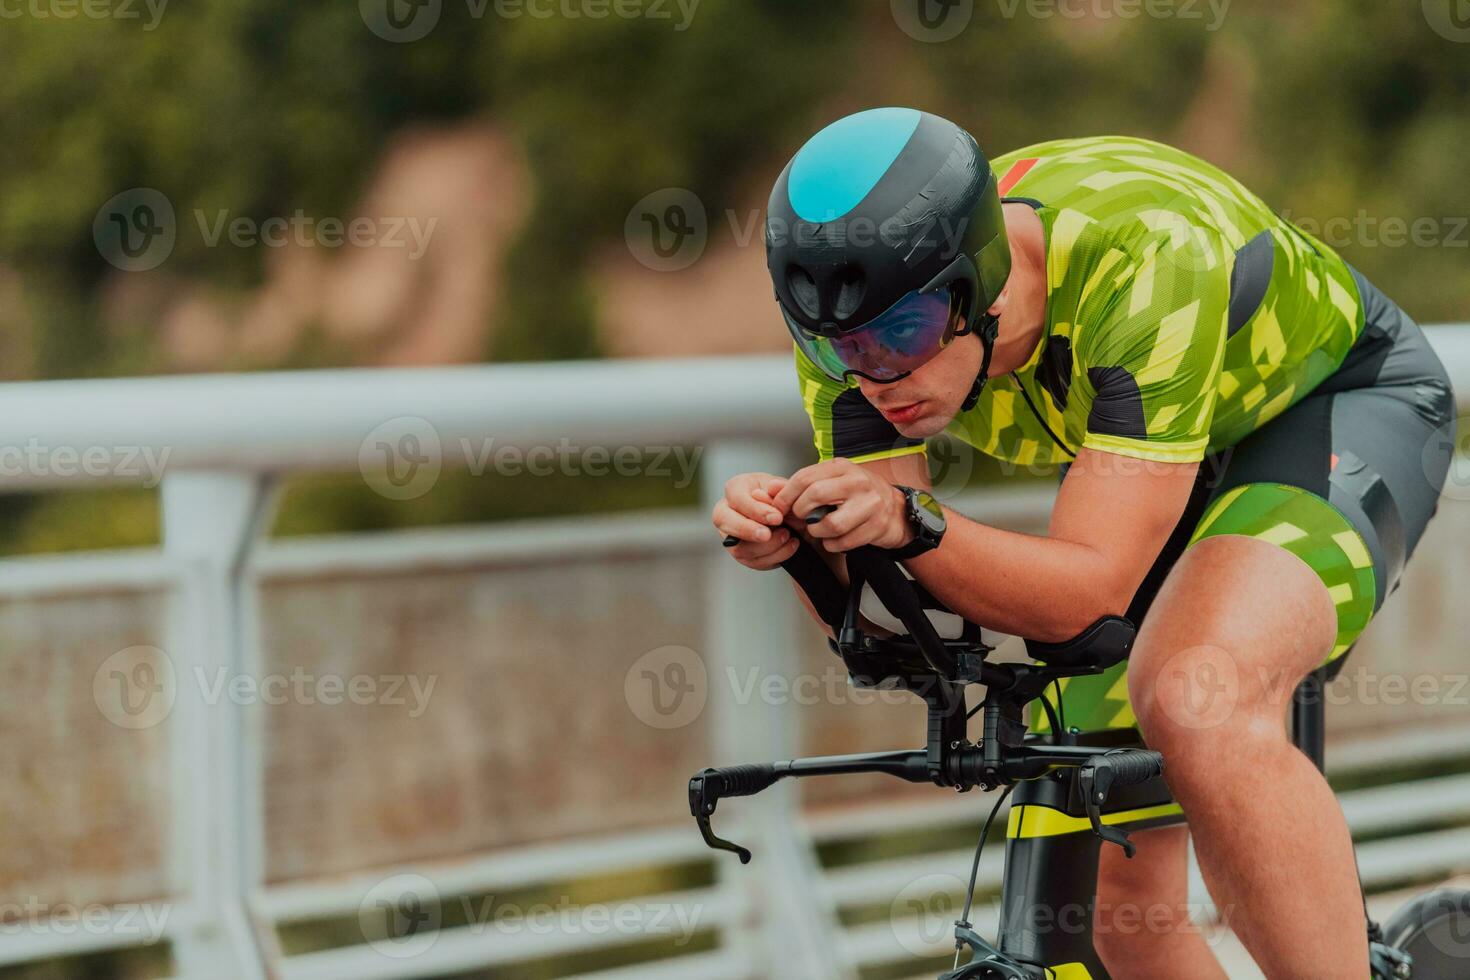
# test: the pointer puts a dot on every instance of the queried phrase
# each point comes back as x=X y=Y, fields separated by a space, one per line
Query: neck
x=1024 y=317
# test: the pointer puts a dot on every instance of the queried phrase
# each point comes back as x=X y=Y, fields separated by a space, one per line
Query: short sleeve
x=1153 y=356
x=844 y=423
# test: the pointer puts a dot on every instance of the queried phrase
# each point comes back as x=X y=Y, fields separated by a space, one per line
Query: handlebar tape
x=1134 y=766
x=746 y=780
x=814 y=578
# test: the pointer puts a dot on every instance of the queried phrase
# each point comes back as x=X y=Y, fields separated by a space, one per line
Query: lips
x=903 y=414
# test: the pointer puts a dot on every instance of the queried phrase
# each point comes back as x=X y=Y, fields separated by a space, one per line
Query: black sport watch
x=927 y=519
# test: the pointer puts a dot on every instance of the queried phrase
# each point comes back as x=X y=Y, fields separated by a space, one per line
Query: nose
x=871 y=389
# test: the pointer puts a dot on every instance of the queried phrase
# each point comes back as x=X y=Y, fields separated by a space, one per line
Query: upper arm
x=845 y=424
x=1125 y=509
x=1153 y=355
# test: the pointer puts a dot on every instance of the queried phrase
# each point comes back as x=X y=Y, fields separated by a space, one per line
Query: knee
x=1238 y=624
x=1193 y=694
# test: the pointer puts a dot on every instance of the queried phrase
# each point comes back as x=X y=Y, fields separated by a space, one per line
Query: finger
x=765 y=510
x=831 y=491
x=845 y=518
x=797 y=483
x=750 y=506
x=751 y=502
x=865 y=533
x=775 y=558
x=747 y=551
x=779 y=556
x=731 y=523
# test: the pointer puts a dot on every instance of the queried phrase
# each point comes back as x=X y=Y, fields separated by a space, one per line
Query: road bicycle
x=1071 y=791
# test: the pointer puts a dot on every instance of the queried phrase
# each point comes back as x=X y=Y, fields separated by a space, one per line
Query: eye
x=904 y=330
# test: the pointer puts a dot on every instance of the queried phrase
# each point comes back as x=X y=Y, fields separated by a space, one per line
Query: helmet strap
x=988 y=330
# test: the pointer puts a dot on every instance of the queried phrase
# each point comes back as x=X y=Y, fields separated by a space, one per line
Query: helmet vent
x=852 y=285
x=804 y=290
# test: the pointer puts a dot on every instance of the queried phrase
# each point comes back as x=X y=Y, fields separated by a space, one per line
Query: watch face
x=929 y=510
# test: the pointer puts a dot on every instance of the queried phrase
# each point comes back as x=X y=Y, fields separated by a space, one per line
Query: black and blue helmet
x=881 y=218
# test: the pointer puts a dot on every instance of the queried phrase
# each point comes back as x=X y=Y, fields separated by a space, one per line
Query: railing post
x=210 y=521
x=752 y=633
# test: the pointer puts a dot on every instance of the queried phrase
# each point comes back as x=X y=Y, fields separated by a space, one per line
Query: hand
x=748 y=513
x=869 y=509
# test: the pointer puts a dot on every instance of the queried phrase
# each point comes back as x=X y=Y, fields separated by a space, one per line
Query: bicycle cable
x=1034 y=411
x=964 y=920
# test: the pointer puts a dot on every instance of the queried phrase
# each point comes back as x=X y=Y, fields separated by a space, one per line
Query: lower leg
x=1142 y=928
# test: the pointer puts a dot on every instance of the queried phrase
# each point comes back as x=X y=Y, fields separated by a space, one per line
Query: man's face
x=924 y=403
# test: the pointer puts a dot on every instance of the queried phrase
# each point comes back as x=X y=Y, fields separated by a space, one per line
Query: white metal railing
x=218 y=443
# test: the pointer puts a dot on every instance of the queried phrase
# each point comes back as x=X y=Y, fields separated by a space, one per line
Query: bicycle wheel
x=1435 y=930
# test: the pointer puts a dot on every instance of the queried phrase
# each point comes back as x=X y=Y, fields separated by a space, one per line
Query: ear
x=999 y=306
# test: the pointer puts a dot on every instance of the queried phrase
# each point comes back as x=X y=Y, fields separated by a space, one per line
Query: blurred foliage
x=261 y=107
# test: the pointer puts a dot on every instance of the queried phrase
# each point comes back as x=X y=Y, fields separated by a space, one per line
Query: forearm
x=1041 y=588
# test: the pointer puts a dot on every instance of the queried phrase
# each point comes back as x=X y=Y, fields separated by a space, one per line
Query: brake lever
x=1095 y=780
x=702 y=801
x=1117 y=767
x=709 y=786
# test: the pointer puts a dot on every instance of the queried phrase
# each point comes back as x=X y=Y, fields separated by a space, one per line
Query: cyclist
x=1253 y=439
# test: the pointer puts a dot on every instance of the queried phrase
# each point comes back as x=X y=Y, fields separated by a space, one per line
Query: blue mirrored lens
x=897 y=341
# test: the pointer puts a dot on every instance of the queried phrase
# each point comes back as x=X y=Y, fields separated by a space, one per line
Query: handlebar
x=865 y=565
x=926 y=665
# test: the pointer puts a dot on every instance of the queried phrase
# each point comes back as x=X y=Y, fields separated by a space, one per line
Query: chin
x=924 y=428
